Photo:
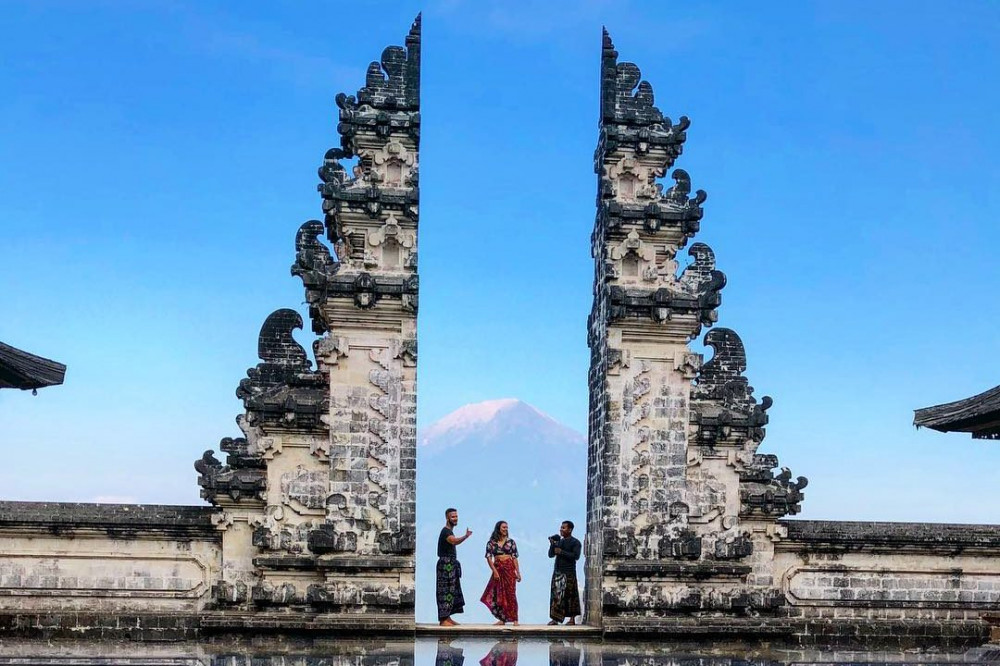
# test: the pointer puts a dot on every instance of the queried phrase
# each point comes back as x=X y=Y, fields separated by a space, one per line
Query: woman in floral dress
x=500 y=595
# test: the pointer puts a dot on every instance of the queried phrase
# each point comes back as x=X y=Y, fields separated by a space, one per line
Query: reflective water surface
x=267 y=650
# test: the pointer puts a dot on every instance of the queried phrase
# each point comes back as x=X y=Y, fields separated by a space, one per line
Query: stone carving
x=230 y=594
x=324 y=539
x=700 y=277
x=369 y=350
x=327 y=462
x=366 y=290
x=734 y=548
x=283 y=389
x=691 y=598
x=672 y=438
x=665 y=303
x=372 y=126
x=628 y=114
x=305 y=488
x=396 y=163
x=314 y=264
x=275 y=536
x=625 y=97
x=727 y=410
x=313 y=261
x=217 y=479
x=266 y=593
x=395 y=81
x=763 y=492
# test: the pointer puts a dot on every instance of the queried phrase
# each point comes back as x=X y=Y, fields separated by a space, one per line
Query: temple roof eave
x=978 y=414
x=21 y=370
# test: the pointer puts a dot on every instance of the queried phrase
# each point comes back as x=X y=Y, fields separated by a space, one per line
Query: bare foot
x=571 y=621
x=515 y=623
x=498 y=623
x=552 y=622
x=448 y=622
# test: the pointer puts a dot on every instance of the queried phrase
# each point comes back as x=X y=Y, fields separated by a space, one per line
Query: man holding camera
x=564 y=601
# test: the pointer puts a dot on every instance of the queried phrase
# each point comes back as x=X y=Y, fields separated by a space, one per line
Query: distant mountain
x=500 y=459
x=505 y=421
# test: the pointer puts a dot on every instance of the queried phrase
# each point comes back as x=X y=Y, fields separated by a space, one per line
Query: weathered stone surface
x=328 y=461
x=111 y=519
x=655 y=497
x=69 y=568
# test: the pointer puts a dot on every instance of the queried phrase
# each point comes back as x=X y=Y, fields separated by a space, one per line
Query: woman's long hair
x=496 y=531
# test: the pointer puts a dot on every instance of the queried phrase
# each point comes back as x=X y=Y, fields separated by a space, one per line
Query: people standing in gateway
x=500 y=595
x=449 y=571
x=564 y=599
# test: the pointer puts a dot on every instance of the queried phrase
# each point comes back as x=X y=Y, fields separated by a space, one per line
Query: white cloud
x=114 y=499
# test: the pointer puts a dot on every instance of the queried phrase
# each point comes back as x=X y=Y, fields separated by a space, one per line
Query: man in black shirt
x=449 y=571
x=564 y=601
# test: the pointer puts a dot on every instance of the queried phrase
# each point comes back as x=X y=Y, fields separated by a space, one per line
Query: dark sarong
x=564 y=600
x=448 y=655
x=500 y=595
x=449 y=587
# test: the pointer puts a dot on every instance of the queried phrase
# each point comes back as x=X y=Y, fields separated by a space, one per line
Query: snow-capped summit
x=468 y=416
x=495 y=420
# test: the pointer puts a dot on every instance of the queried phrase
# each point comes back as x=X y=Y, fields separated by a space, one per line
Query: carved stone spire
x=328 y=461
x=674 y=479
x=371 y=212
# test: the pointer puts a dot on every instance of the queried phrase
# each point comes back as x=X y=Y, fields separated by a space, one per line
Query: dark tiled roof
x=21 y=370
x=979 y=415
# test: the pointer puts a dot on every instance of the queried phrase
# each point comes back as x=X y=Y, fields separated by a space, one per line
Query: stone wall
x=908 y=583
x=111 y=568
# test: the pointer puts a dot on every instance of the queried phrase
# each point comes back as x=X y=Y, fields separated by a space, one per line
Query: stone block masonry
x=140 y=571
x=684 y=517
x=682 y=508
x=317 y=497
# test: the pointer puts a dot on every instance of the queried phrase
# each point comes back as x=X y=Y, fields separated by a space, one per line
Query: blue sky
x=159 y=156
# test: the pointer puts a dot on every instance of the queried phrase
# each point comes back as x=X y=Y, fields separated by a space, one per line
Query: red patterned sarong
x=500 y=595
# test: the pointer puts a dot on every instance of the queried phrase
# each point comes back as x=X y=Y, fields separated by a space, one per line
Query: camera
x=555 y=537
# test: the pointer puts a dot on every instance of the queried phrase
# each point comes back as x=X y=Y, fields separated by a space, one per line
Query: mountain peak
x=472 y=415
x=496 y=417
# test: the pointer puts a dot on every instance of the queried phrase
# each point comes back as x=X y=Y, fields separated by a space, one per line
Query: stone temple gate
x=311 y=517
